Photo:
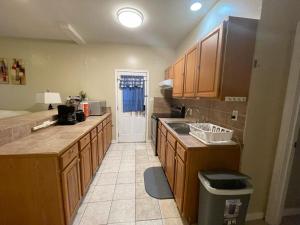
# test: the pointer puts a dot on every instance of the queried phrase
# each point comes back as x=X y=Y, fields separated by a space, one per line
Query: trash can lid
x=223 y=176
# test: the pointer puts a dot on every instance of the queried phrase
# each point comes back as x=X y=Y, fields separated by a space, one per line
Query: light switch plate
x=234 y=115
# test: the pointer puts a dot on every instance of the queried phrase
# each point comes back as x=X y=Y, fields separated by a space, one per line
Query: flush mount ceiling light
x=130 y=17
x=196 y=6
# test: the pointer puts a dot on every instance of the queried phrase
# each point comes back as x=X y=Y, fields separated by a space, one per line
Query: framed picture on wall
x=4 y=77
x=17 y=72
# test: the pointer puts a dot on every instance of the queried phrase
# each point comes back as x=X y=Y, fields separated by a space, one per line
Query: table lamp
x=48 y=98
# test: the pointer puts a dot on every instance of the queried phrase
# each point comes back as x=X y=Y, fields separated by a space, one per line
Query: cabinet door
x=163 y=150
x=71 y=189
x=104 y=139
x=178 y=77
x=210 y=63
x=85 y=167
x=179 y=182
x=158 y=143
x=170 y=165
x=95 y=160
x=191 y=71
x=109 y=131
x=100 y=147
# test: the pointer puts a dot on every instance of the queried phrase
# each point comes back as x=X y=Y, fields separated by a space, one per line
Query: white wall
x=68 y=68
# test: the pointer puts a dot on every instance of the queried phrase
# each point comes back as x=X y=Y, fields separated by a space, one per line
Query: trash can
x=224 y=198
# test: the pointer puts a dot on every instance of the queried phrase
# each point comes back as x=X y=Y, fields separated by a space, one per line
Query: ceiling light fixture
x=130 y=17
x=196 y=6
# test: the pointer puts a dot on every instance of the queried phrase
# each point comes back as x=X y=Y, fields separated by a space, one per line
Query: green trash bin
x=224 y=198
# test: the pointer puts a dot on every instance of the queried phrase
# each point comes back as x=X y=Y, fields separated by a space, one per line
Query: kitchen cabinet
x=95 y=155
x=220 y=64
x=104 y=139
x=178 y=77
x=170 y=165
x=163 y=141
x=191 y=71
x=169 y=73
x=71 y=189
x=109 y=134
x=86 y=168
x=158 y=143
x=100 y=146
x=179 y=182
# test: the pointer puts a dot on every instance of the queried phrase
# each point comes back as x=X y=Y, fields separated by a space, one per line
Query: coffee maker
x=66 y=115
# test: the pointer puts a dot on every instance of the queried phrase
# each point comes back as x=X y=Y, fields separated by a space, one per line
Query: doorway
x=131 y=126
x=287 y=142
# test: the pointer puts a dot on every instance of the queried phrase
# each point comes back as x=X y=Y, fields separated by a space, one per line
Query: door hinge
x=295 y=145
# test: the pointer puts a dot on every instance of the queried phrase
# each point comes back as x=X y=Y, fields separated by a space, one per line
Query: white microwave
x=97 y=108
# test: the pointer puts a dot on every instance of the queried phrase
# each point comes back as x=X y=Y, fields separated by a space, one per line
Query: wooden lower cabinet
x=95 y=155
x=170 y=165
x=179 y=182
x=86 y=168
x=105 y=139
x=100 y=147
x=71 y=189
x=163 y=141
x=158 y=143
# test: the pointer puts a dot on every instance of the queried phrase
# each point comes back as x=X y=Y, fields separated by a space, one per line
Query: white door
x=131 y=126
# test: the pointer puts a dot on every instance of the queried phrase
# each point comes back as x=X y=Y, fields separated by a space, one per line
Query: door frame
x=290 y=124
x=117 y=71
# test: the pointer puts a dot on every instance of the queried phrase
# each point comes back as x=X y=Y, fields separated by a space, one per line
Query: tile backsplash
x=217 y=112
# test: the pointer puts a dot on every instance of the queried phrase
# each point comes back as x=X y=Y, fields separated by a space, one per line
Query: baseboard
x=255 y=216
x=291 y=212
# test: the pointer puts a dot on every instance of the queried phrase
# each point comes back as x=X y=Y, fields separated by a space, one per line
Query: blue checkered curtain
x=133 y=93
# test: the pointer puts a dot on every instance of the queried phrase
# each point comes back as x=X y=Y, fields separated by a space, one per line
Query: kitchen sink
x=180 y=127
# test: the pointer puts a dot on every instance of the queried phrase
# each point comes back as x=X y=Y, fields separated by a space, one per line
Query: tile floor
x=117 y=194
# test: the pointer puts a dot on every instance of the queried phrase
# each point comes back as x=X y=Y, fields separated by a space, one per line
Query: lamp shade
x=48 y=98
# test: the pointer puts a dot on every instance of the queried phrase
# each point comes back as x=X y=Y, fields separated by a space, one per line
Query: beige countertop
x=188 y=141
x=51 y=140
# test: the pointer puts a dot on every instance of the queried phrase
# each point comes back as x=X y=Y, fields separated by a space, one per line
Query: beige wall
x=221 y=10
x=273 y=51
x=68 y=68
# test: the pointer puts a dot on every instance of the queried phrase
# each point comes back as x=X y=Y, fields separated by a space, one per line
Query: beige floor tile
x=127 y=167
x=124 y=191
x=126 y=177
x=140 y=191
x=139 y=176
x=96 y=213
x=122 y=211
x=174 y=221
x=147 y=209
x=103 y=193
x=150 y=222
x=79 y=214
x=168 y=208
x=112 y=168
x=107 y=178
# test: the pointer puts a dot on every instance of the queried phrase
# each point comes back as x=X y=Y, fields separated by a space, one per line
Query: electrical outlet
x=234 y=115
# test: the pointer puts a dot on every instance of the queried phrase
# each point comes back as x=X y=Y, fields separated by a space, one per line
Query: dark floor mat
x=156 y=183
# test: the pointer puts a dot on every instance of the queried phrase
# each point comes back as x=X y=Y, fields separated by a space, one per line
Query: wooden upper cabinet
x=226 y=58
x=210 y=64
x=169 y=73
x=191 y=71
x=71 y=189
x=178 y=77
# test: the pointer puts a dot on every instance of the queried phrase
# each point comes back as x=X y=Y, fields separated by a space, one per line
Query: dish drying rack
x=210 y=133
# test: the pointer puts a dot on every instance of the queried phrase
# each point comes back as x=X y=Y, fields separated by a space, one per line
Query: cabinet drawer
x=68 y=156
x=94 y=133
x=171 y=140
x=84 y=141
x=163 y=130
x=181 y=151
x=99 y=127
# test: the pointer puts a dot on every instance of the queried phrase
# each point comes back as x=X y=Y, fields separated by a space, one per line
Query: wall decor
x=4 y=78
x=17 y=72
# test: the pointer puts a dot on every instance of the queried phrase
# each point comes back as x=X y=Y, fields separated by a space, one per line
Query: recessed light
x=130 y=17
x=196 y=6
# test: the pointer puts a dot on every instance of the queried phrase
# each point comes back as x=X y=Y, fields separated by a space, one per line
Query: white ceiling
x=166 y=22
